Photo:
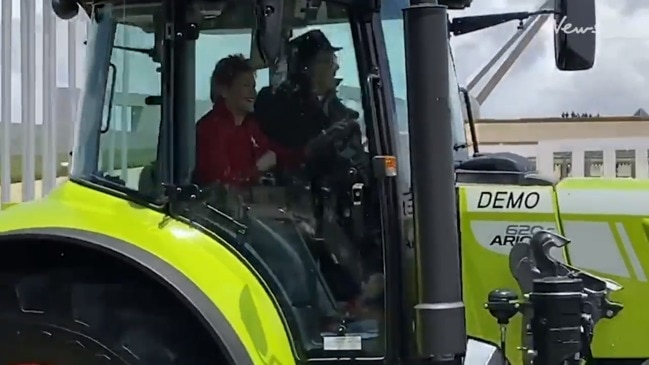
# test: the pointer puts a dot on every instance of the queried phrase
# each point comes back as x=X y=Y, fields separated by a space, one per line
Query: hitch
x=534 y=260
x=562 y=303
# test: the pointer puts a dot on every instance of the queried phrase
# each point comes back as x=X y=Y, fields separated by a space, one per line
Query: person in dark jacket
x=321 y=139
x=306 y=104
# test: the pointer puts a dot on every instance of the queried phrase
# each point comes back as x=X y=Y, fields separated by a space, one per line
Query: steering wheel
x=333 y=138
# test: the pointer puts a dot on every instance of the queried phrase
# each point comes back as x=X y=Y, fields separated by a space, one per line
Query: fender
x=192 y=297
x=174 y=252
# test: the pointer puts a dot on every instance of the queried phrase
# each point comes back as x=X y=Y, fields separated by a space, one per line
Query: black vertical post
x=439 y=314
x=178 y=93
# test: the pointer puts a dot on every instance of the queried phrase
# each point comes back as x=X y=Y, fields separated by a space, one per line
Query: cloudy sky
x=617 y=85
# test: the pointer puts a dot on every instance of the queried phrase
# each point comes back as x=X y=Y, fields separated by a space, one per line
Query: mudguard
x=179 y=255
x=604 y=219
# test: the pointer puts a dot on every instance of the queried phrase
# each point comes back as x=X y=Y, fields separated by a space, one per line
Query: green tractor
x=132 y=261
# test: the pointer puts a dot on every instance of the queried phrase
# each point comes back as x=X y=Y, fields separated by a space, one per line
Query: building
x=603 y=146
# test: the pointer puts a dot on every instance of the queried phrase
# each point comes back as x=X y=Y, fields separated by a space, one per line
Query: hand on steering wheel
x=338 y=131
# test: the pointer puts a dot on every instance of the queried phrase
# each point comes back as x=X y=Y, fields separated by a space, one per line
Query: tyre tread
x=122 y=316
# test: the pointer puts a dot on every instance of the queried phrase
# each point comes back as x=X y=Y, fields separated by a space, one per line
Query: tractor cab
x=281 y=160
x=259 y=160
x=289 y=159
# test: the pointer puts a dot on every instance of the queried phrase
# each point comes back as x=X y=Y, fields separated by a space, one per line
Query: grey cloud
x=536 y=53
x=615 y=86
x=630 y=7
x=474 y=50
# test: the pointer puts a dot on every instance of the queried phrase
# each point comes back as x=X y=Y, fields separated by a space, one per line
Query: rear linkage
x=562 y=304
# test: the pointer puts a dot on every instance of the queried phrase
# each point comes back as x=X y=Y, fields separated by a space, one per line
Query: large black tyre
x=92 y=316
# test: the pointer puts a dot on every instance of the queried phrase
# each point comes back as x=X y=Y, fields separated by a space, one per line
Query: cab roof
x=239 y=13
x=391 y=8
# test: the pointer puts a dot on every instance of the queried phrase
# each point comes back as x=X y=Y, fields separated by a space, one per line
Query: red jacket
x=227 y=153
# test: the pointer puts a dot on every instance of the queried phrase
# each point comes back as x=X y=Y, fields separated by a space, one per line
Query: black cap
x=310 y=43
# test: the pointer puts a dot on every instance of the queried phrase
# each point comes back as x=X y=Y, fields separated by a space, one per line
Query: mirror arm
x=469 y=24
x=469 y=112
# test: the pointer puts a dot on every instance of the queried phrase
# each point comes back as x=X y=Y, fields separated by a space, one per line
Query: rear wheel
x=85 y=317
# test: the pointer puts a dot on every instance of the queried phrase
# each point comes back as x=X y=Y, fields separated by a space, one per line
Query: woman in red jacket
x=230 y=148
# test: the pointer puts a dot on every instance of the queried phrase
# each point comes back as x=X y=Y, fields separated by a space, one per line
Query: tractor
x=353 y=256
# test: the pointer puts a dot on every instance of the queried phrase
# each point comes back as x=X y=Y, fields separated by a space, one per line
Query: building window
x=624 y=163
x=593 y=163
x=562 y=164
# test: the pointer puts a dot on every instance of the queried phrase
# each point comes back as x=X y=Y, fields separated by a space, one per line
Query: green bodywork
x=220 y=273
x=485 y=269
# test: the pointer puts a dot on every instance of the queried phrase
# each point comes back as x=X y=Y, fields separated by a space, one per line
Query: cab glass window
x=280 y=151
x=392 y=24
x=128 y=138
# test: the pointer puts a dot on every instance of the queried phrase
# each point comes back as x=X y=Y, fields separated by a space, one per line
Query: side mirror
x=269 y=38
x=574 y=34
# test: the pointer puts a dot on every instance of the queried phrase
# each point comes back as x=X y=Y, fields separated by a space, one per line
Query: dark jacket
x=291 y=115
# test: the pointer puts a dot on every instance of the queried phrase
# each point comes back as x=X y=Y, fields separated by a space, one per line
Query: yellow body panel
x=216 y=270
x=608 y=222
x=604 y=218
x=485 y=267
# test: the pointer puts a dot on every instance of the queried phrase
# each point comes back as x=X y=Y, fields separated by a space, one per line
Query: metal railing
x=40 y=74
